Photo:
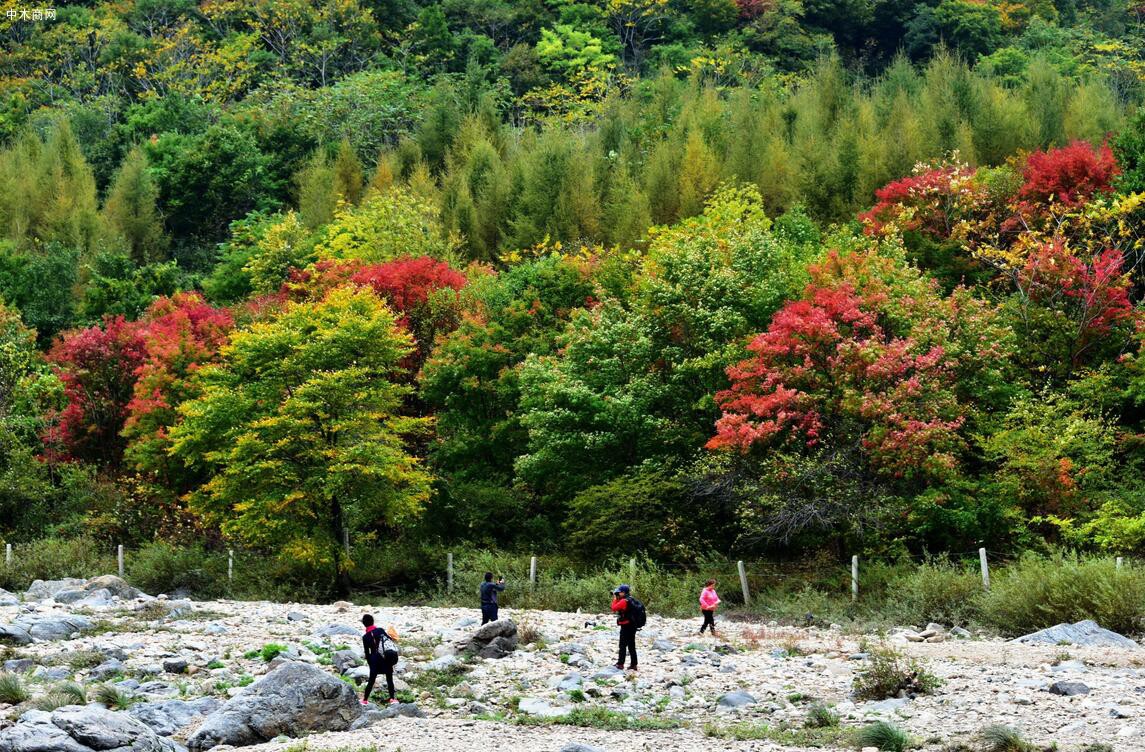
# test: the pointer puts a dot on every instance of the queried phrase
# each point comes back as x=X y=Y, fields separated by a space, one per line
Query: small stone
x=297 y=616
x=733 y=700
x=175 y=665
x=1069 y=689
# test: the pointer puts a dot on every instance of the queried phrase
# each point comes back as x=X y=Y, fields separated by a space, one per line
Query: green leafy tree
x=634 y=379
x=299 y=429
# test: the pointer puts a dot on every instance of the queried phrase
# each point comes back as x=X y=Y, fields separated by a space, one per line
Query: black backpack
x=636 y=613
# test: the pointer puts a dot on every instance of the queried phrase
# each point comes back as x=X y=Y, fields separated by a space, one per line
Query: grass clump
x=891 y=674
x=821 y=716
x=610 y=720
x=79 y=659
x=13 y=691
x=432 y=678
x=267 y=652
x=780 y=734
x=999 y=738
x=114 y=698
x=63 y=694
x=886 y=736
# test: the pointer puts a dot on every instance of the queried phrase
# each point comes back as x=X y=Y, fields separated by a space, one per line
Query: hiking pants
x=376 y=667
x=627 y=643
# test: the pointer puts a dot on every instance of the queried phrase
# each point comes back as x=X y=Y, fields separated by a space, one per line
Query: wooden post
x=346 y=540
x=743 y=583
x=8 y=555
x=855 y=578
x=119 y=556
x=985 y=569
x=533 y=572
x=230 y=565
x=449 y=572
x=1119 y=562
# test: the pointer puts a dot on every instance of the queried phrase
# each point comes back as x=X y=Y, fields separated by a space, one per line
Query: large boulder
x=1085 y=633
x=112 y=584
x=496 y=639
x=289 y=701
x=81 y=728
x=29 y=628
x=166 y=718
x=43 y=589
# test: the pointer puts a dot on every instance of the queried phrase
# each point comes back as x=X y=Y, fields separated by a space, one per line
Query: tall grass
x=1036 y=592
x=1031 y=593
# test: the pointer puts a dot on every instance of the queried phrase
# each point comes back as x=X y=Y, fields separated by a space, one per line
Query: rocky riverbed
x=106 y=667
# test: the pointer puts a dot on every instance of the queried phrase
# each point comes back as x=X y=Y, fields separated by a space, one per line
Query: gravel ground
x=682 y=678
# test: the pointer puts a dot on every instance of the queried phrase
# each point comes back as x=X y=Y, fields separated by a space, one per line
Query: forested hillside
x=750 y=277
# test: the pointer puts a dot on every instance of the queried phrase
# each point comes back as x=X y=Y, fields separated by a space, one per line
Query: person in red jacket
x=627 y=629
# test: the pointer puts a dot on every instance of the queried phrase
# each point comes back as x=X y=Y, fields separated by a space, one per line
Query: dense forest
x=753 y=277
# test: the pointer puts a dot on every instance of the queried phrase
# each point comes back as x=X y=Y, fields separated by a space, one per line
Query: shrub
x=886 y=736
x=890 y=673
x=12 y=689
x=1037 y=592
x=937 y=591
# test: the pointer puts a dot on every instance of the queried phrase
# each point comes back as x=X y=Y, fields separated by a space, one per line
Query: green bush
x=890 y=673
x=56 y=558
x=937 y=591
x=1038 y=591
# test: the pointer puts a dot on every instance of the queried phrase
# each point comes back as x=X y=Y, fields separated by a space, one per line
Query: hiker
x=630 y=616
x=708 y=602
x=381 y=657
x=489 y=590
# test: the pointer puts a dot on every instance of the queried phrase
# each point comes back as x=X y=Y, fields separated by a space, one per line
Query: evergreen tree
x=131 y=210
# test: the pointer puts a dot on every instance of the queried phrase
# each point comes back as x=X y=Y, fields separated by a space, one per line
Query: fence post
x=533 y=572
x=743 y=583
x=985 y=569
x=230 y=565
x=119 y=557
x=1119 y=562
x=449 y=572
x=8 y=555
x=855 y=578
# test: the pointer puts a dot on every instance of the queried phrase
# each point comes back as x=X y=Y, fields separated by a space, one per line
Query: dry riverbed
x=751 y=688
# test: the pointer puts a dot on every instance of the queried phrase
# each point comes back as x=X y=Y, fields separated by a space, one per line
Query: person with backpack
x=630 y=617
x=708 y=602
x=381 y=656
x=489 y=590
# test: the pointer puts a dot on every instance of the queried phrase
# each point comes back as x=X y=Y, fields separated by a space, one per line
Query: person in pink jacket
x=708 y=602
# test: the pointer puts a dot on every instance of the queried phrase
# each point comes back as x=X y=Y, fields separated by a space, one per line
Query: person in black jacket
x=380 y=659
x=489 y=590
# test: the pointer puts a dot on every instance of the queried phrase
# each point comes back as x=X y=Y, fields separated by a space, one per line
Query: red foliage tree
x=931 y=201
x=831 y=370
x=1069 y=175
x=408 y=286
x=1094 y=295
x=180 y=334
x=97 y=366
